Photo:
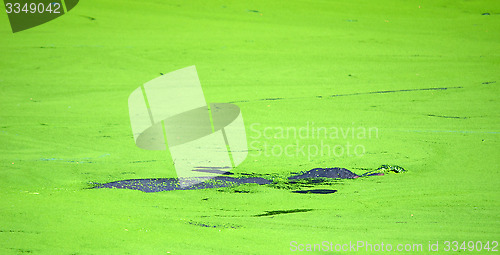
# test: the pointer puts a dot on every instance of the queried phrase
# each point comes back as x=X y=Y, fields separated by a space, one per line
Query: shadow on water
x=315 y=191
x=271 y=213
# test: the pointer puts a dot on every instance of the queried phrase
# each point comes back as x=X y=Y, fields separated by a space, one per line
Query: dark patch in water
x=271 y=213
x=393 y=91
x=88 y=17
x=316 y=191
x=19 y=231
x=229 y=190
x=324 y=176
x=334 y=173
x=446 y=117
x=209 y=226
x=213 y=170
x=12 y=231
x=19 y=251
x=374 y=174
x=143 y=161
x=351 y=94
x=167 y=184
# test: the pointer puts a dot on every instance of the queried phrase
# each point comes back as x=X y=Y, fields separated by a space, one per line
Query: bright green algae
x=64 y=124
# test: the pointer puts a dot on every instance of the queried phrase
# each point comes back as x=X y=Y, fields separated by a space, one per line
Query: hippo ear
x=24 y=15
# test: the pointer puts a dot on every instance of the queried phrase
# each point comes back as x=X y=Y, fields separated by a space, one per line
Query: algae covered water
x=410 y=85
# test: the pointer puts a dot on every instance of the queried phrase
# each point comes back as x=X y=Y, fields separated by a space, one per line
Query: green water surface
x=424 y=73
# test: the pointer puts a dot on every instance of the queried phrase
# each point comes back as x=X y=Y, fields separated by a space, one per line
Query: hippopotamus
x=225 y=180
